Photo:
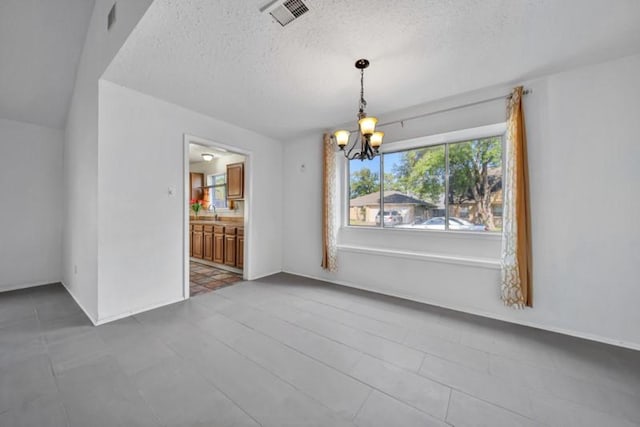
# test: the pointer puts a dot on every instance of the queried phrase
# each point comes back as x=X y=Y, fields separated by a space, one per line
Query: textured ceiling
x=228 y=60
x=40 y=46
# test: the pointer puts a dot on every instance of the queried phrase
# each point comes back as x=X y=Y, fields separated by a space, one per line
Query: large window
x=452 y=187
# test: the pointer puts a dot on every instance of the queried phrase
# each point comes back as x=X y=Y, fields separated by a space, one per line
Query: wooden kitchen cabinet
x=218 y=244
x=230 y=246
x=235 y=181
x=197 y=241
x=207 y=252
x=240 y=250
x=221 y=244
x=196 y=182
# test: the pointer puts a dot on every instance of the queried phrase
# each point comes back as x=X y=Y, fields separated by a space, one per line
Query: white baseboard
x=260 y=276
x=577 y=334
x=28 y=285
x=135 y=311
x=121 y=315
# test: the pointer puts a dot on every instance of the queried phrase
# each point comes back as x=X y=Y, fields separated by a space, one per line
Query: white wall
x=141 y=253
x=584 y=154
x=30 y=205
x=81 y=150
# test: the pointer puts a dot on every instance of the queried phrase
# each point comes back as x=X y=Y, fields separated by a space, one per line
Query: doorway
x=216 y=220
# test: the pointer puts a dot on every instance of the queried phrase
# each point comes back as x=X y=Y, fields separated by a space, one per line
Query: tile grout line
x=446 y=414
x=448 y=386
x=259 y=365
x=179 y=356
x=332 y=339
x=52 y=370
x=297 y=309
x=347 y=374
x=267 y=369
x=408 y=346
x=311 y=299
x=401 y=341
x=322 y=302
x=215 y=386
x=362 y=404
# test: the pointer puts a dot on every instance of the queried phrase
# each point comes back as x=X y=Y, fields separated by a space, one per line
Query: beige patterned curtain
x=516 y=231
x=328 y=205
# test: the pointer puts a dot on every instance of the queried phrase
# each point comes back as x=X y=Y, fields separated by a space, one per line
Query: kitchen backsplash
x=237 y=211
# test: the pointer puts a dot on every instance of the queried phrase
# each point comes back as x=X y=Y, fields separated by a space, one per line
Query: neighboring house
x=363 y=209
x=469 y=210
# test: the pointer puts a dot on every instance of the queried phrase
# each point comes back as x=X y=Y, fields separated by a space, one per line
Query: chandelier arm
x=369 y=151
x=348 y=154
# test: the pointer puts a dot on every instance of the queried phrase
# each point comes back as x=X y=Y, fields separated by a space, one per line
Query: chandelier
x=367 y=139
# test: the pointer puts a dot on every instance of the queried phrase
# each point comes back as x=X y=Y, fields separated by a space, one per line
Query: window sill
x=483 y=235
x=488 y=263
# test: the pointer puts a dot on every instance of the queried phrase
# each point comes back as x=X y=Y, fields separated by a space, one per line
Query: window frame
x=446 y=139
x=213 y=186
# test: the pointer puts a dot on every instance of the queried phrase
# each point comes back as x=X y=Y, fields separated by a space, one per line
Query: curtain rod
x=457 y=107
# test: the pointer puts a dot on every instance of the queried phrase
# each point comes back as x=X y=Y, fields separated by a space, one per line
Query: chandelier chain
x=363 y=103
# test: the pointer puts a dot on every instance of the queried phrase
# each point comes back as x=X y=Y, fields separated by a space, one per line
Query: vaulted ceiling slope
x=40 y=46
x=228 y=60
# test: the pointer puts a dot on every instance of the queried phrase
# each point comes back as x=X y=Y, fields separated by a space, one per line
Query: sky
x=390 y=160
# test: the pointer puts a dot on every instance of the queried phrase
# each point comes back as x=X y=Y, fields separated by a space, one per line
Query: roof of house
x=395 y=197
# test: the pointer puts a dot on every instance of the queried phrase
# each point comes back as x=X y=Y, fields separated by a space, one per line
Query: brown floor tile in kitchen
x=204 y=278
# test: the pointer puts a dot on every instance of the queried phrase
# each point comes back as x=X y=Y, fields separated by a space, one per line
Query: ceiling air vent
x=286 y=11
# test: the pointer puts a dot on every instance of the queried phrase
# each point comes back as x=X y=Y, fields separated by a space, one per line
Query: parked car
x=437 y=223
x=471 y=226
x=390 y=218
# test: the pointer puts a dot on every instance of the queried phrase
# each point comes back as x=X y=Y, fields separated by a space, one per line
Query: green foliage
x=391 y=183
x=470 y=165
x=364 y=182
x=474 y=174
x=421 y=173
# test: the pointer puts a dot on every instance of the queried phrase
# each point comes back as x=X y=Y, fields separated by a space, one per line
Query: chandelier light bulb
x=376 y=140
x=342 y=138
x=367 y=125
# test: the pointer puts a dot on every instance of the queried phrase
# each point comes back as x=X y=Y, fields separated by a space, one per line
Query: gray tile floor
x=288 y=351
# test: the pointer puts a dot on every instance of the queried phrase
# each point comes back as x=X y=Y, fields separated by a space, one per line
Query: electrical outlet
x=75 y=269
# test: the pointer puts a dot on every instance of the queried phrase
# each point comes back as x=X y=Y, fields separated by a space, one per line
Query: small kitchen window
x=218 y=190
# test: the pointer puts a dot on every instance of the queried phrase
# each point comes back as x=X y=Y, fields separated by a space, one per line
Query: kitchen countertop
x=236 y=223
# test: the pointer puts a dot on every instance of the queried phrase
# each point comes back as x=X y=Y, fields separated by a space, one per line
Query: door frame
x=248 y=193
